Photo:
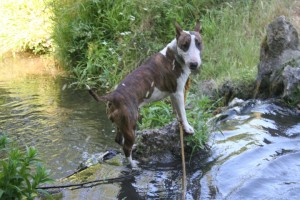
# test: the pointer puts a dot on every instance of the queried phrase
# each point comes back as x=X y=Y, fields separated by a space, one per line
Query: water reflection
x=61 y=124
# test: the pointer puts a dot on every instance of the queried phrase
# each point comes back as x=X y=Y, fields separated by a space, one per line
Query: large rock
x=159 y=145
x=279 y=66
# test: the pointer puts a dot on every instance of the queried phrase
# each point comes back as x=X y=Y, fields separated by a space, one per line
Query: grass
x=160 y=113
x=102 y=41
x=232 y=36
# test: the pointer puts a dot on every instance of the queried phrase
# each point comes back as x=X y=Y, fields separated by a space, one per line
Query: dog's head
x=189 y=46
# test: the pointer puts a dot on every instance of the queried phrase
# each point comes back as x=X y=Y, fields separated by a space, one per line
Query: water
x=256 y=156
x=64 y=125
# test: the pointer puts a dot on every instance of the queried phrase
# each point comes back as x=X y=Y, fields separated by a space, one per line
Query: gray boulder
x=279 y=66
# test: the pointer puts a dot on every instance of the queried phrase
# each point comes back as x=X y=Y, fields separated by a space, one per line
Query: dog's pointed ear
x=197 y=27
x=178 y=30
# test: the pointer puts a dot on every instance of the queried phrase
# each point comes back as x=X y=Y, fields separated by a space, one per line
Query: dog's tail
x=95 y=95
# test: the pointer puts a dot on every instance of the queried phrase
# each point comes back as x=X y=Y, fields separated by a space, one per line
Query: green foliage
x=101 y=41
x=198 y=117
x=20 y=172
x=160 y=113
x=25 y=26
x=155 y=115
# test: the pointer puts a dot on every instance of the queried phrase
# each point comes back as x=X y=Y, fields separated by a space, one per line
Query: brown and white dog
x=163 y=74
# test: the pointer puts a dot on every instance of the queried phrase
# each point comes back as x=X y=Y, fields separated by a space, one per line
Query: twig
x=183 y=162
x=98 y=181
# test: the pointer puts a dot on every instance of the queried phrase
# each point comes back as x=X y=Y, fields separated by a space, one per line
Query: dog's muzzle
x=193 y=66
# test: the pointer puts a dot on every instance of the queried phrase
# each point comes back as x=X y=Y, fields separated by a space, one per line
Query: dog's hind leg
x=127 y=148
x=119 y=137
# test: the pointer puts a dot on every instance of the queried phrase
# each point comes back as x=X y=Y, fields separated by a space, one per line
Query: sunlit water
x=255 y=156
x=65 y=125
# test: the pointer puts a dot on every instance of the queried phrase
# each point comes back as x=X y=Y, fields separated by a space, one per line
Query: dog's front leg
x=178 y=102
x=127 y=148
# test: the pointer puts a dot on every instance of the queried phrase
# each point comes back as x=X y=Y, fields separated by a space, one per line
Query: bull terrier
x=164 y=74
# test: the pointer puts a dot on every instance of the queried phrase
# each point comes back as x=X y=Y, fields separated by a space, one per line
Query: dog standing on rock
x=164 y=74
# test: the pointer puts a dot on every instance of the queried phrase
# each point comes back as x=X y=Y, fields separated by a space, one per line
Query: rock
x=161 y=144
x=230 y=90
x=208 y=87
x=279 y=64
x=291 y=81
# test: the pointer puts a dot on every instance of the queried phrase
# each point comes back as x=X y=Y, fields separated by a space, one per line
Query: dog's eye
x=185 y=46
x=198 y=44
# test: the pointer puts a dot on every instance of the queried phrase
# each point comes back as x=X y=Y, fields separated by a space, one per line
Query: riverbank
x=18 y=65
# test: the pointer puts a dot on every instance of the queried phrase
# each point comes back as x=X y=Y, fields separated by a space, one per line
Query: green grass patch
x=160 y=113
x=155 y=115
x=232 y=36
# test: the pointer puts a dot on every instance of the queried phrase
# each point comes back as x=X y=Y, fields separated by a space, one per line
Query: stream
x=255 y=155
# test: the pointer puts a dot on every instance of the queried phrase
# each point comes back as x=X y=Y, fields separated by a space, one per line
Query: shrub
x=20 y=172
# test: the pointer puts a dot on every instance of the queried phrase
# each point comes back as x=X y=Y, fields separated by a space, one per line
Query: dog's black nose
x=193 y=65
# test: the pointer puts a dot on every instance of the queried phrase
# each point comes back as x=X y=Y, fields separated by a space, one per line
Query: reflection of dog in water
x=164 y=74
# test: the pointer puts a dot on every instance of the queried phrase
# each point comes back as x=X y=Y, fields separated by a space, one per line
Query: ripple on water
x=35 y=111
x=257 y=159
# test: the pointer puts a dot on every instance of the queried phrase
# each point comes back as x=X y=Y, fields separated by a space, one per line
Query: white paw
x=134 y=164
x=188 y=129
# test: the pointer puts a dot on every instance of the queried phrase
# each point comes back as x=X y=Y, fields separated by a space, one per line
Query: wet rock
x=230 y=90
x=161 y=144
x=279 y=66
x=291 y=79
x=94 y=181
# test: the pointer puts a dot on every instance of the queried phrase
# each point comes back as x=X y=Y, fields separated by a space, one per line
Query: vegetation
x=25 y=26
x=101 y=41
x=20 y=172
x=155 y=115
x=160 y=113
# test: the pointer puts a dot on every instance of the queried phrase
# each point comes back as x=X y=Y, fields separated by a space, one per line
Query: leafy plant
x=20 y=172
x=156 y=114
x=198 y=118
x=160 y=113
